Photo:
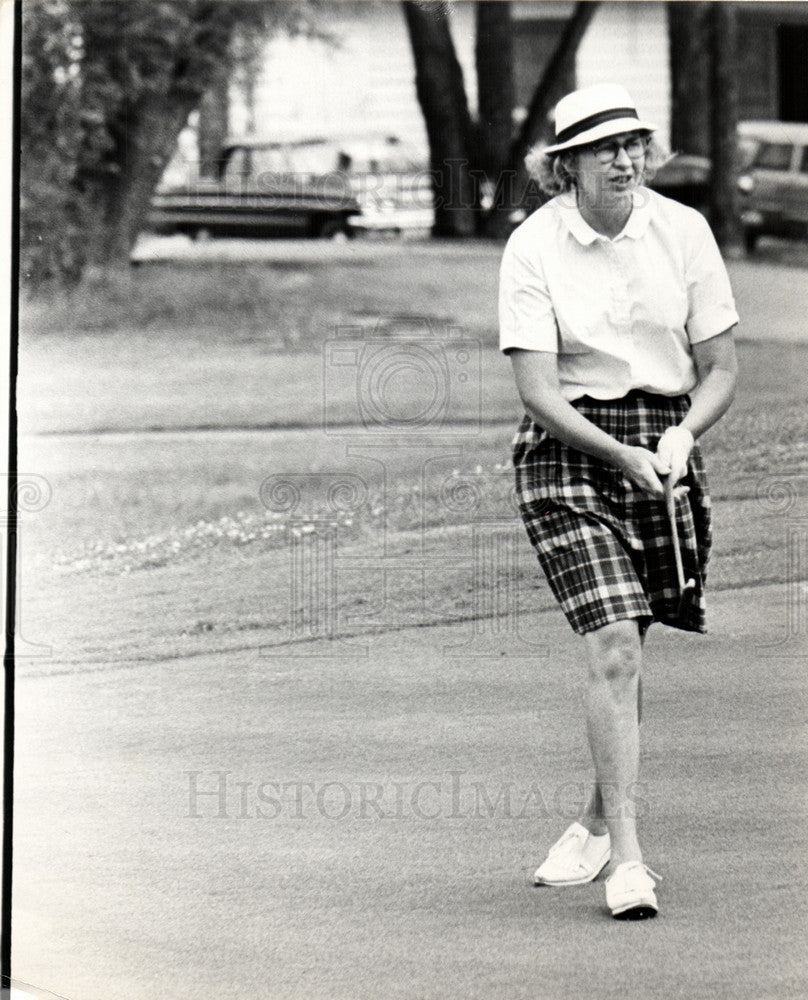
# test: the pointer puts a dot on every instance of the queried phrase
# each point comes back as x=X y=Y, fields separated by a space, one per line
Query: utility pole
x=723 y=124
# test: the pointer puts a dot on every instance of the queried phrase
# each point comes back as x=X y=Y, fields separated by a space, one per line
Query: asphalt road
x=343 y=823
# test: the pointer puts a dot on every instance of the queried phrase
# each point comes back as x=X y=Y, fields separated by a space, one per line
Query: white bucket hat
x=594 y=113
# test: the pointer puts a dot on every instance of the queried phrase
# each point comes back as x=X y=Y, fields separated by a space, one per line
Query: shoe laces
x=645 y=868
x=566 y=842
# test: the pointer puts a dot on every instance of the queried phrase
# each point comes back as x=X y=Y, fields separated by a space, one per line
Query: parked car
x=774 y=189
x=686 y=177
x=263 y=188
x=394 y=203
x=392 y=184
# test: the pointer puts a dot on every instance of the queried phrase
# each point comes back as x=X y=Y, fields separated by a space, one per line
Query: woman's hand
x=674 y=450
x=537 y=381
x=643 y=468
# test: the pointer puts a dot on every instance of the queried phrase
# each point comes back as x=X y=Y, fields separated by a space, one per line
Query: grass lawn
x=164 y=406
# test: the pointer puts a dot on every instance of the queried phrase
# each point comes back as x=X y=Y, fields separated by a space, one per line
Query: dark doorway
x=792 y=50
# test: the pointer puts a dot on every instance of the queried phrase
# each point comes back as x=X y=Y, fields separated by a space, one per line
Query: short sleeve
x=526 y=316
x=711 y=307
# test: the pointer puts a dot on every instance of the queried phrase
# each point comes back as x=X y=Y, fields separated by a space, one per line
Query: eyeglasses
x=607 y=152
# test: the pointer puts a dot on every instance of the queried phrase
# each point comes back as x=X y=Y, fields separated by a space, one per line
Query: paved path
x=346 y=827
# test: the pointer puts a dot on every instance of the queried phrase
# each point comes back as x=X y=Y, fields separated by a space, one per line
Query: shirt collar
x=640 y=216
x=635 y=227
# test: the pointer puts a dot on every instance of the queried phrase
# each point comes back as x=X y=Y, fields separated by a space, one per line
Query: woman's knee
x=615 y=652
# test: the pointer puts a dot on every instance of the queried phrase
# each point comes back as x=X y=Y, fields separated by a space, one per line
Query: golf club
x=686 y=588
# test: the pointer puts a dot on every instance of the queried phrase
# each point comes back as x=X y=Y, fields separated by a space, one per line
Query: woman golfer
x=616 y=311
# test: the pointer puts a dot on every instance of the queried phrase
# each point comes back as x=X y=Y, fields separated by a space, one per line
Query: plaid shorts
x=605 y=546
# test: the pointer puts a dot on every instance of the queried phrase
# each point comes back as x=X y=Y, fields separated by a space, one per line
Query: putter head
x=688 y=592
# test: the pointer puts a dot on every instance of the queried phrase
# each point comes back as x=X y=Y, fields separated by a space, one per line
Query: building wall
x=364 y=83
x=773 y=42
x=367 y=82
x=628 y=43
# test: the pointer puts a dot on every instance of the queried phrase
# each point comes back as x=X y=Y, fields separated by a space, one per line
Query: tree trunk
x=442 y=96
x=144 y=141
x=515 y=187
x=724 y=124
x=689 y=33
x=555 y=80
x=148 y=66
x=495 y=96
x=495 y=85
x=213 y=127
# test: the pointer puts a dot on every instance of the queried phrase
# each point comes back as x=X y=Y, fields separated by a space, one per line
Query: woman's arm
x=536 y=374
x=717 y=370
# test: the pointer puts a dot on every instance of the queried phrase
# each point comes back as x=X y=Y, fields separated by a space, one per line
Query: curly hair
x=553 y=177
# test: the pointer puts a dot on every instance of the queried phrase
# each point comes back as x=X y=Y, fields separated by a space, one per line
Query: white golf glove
x=674 y=450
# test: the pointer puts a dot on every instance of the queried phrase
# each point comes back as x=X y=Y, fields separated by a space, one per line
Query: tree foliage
x=53 y=132
x=106 y=88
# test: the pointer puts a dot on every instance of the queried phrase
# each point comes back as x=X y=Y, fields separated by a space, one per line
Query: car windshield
x=385 y=161
x=306 y=158
x=747 y=150
x=774 y=156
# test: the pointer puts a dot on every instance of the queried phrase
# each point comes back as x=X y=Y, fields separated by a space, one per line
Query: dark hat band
x=586 y=123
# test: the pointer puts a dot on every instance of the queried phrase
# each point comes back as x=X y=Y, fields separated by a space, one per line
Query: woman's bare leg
x=612 y=706
x=593 y=815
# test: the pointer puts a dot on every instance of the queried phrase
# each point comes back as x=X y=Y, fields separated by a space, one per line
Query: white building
x=365 y=81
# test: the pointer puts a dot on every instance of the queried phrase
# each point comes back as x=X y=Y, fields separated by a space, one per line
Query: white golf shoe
x=576 y=858
x=630 y=892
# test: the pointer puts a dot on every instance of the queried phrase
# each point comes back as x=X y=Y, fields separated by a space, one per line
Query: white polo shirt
x=620 y=314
